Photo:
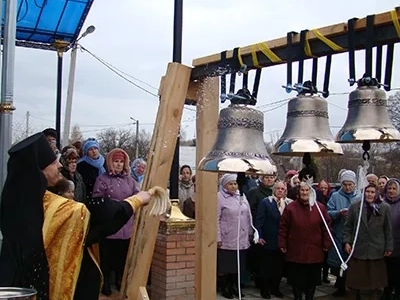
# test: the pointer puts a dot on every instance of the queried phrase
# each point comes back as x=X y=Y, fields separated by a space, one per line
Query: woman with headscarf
x=91 y=165
x=366 y=268
x=267 y=224
x=325 y=190
x=382 y=185
x=233 y=234
x=186 y=187
x=116 y=184
x=304 y=238
x=138 y=167
x=189 y=205
x=338 y=206
x=69 y=157
x=392 y=197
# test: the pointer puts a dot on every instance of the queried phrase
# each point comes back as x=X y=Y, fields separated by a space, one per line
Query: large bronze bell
x=367 y=117
x=239 y=146
x=307 y=128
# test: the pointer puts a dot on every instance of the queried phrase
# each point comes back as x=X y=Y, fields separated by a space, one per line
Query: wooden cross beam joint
x=384 y=33
x=191 y=97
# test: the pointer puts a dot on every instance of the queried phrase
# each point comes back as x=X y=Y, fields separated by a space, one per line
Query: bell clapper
x=366 y=147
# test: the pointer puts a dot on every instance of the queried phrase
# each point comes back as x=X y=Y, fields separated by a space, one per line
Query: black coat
x=89 y=175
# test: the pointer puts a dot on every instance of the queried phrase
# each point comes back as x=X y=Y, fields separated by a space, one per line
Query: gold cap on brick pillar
x=176 y=214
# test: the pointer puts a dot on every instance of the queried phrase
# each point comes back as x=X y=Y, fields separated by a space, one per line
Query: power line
x=124 y=75
x=112 y=69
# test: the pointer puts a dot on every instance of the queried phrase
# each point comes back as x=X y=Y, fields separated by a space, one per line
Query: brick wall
x=172 y=270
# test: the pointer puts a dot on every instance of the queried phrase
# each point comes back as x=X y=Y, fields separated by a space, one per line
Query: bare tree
x=19 y=132
x=394 y=109
x=76 y=134
x=125 y=139
x=184 y=141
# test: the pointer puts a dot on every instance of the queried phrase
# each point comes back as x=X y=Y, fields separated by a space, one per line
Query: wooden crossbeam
x=384 y=33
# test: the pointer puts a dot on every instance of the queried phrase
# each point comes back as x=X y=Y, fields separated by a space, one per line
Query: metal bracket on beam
x=384 y=32
x=60 y=46
x=6 y=107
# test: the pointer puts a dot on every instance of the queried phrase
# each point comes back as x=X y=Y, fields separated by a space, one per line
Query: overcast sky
x=136 y=37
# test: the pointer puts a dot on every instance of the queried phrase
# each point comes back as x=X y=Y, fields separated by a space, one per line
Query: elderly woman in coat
x=233 y=234
x=267 y=224
x=304 y=238
x=138 y=168
x=338 y=206
x=367 y=269
x=118 y=185
x=392 y=197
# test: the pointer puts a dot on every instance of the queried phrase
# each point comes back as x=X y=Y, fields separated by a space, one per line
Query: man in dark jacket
x=254 y=196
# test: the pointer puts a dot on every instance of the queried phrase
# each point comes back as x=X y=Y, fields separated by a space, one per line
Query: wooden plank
x=166 y=129
x=206 y=191
x=191 y=94
x=143 y=294
x=385 y=33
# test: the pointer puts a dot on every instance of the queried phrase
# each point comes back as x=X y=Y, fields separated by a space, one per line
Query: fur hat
x=69 y=152
x=117 y=153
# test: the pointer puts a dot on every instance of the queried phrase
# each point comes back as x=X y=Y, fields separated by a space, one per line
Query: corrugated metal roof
x=41 y=22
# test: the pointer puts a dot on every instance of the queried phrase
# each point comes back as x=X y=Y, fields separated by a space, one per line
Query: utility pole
x=70 y=94
x=137 y=138
x=71 y=82
x=27 y=124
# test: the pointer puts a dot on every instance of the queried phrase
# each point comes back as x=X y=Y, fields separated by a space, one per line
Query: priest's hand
x=144 y=197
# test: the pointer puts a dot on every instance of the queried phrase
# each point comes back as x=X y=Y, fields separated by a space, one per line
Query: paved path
x=251 y=293
x=323 y=292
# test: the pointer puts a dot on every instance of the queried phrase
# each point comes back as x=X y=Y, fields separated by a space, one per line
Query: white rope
x=256 y=238
x=361 y=184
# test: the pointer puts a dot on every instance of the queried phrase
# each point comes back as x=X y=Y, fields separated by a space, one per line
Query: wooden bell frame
x=199 y=85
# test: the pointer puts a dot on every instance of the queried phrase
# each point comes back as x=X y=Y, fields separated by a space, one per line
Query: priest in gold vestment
x=50 y=242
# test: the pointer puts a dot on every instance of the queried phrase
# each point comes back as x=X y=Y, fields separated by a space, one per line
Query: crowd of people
x=306 y=231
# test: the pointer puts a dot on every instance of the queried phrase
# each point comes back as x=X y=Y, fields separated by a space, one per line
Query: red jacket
x=303 y=234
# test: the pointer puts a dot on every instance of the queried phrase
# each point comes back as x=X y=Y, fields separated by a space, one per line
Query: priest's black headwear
x=23 y=261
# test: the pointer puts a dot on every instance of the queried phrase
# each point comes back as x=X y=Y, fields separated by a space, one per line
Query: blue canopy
x=41 y=22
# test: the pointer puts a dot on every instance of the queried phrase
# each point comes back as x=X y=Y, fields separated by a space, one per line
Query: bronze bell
x=307 y=128
x=367 y=117
x=239 y=146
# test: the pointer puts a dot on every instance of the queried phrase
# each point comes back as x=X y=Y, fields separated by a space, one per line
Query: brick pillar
x=172 y=270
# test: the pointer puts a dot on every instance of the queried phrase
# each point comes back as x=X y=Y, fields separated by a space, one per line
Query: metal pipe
x=60 y=47
x=7 y=88
x=70 y=95
x=59 y=97
x=176 y=57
